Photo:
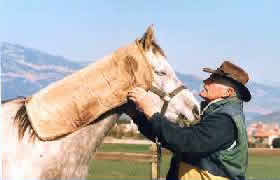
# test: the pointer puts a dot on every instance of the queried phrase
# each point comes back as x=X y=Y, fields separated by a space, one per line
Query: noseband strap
x=166 y=97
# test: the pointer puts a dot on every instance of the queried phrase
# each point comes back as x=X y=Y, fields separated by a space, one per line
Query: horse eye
x=161 y=73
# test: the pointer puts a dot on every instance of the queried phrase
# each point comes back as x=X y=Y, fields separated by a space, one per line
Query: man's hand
x=143 y=102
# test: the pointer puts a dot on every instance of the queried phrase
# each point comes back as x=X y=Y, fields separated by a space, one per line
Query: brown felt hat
x=236 y=75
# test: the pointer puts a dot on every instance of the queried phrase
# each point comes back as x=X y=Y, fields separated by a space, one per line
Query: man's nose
x=207 y=81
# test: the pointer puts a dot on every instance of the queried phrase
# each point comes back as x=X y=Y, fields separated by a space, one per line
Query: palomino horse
x=68 y=157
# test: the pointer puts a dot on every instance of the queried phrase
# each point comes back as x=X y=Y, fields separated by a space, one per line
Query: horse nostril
x=195 y=112
x=183 y=121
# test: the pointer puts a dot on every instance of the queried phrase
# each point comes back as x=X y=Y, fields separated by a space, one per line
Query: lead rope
x=166 y=97
x=158 y=144
x=159 y=154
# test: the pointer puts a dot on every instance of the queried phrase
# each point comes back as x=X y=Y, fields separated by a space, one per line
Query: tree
x=276 y=142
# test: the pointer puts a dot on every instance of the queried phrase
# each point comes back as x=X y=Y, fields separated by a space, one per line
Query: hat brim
x=209 y=70
x=243 y=90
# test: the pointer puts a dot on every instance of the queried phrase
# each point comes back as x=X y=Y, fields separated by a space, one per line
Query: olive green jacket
x=217 y=144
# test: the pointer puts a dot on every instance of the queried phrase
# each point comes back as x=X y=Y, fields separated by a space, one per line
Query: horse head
x=176 y=100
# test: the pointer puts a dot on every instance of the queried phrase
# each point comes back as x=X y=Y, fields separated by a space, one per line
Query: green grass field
x=261 y=166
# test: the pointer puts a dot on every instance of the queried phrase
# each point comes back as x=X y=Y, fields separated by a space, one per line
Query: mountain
x=269 y=118
x=26 y=70
x=265 y=99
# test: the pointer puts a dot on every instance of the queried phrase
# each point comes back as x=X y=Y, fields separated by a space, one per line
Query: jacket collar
x=211 y=106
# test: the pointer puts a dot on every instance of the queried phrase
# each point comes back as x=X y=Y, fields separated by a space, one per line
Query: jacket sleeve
x=144 y=126
x=213 y=132
x=139 y=118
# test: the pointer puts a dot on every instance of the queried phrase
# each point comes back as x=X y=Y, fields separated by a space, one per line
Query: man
x=215 y=148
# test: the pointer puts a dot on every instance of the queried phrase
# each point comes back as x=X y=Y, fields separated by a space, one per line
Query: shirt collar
x=218 y=102
x=206 y=107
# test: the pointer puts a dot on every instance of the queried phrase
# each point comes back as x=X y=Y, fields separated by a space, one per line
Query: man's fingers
x=138 y=90
x=132 y=94
x=134 y=91
x=137 y=93
x=132 y=98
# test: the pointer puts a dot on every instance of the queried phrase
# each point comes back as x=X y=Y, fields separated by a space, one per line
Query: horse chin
x=172 y=117
x=187 y=119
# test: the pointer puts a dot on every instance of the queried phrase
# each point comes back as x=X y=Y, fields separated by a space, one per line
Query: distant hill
x=26 y=70
x=269 y=118
x=265 y=99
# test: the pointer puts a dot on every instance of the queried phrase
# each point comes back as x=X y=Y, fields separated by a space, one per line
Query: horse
x=26 y=156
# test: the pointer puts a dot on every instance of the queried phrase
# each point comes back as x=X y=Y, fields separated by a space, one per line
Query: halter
x=166 y=97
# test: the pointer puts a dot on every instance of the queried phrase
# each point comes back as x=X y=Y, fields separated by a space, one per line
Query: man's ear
x=229 y=92
x=148 y=37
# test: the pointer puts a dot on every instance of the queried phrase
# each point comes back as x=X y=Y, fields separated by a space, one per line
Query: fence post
x=155 y=162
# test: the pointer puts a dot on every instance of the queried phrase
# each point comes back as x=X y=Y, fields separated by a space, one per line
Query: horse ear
x=148 y=37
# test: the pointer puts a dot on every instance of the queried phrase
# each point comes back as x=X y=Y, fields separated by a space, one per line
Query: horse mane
x=12 y=99
x=80 y=112
x=157 y=48
x=23 y=124
x=21 y=120
x=74 y=101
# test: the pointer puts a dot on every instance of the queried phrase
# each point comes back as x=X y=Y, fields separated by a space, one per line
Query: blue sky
x=194 y=34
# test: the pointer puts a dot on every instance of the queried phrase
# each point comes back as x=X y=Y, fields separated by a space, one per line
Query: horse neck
x=78 y=149
x=64 y=158
x=82 y=97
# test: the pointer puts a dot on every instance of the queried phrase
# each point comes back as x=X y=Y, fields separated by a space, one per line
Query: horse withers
x=25 y=156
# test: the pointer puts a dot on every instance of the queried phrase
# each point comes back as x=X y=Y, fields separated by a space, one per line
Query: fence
x=122 y=159
x=126 y=159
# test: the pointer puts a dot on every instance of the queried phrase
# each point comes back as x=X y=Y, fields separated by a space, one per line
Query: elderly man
x=215 y=148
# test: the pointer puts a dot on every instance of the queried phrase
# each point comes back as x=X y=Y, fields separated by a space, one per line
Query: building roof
x=263 y=130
